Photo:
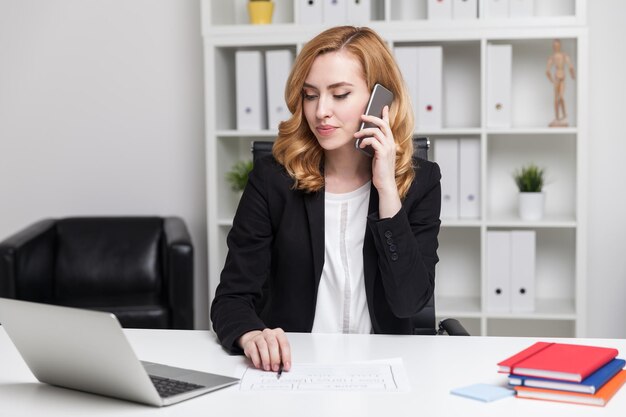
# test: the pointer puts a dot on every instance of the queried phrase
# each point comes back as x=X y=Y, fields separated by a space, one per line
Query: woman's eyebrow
x=335 y=85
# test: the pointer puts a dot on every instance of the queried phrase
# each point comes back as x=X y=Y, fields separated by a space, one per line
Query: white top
x=341 y=301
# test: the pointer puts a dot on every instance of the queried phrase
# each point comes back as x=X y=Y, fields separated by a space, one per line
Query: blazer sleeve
x=247 y=264
x=407 y=244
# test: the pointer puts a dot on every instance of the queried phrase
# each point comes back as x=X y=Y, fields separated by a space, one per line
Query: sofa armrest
x=27 y=262
x=179 y=272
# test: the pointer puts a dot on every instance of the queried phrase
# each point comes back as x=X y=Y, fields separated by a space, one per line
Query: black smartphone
x=380 y=98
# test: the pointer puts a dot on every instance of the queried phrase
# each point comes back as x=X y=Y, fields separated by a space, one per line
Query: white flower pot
x=531 y=206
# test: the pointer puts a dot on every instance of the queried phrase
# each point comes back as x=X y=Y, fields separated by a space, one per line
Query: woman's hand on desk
x=267 y=349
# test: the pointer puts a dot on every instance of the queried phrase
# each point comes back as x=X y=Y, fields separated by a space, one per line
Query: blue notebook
x=588 y=385
x=483 y=392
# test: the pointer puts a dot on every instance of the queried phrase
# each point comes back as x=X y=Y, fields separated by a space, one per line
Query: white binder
x=523 y=271
x=359 y=12
x=277 y=67
x=406 y=57
x=499 y=67
x=469 y=178
x=439 y=9
x=498 y=271
x=496 y=8
x=429 y=87
x=309 y=12
x=335 y=12
x=447 y=156
x=465 y=9
x=250 y=90
x=521 y=8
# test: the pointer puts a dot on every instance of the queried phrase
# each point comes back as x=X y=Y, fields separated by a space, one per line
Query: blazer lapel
x=314 y=203
x=370 y=260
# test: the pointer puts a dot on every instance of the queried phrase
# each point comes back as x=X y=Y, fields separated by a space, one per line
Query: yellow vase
x=260 y=12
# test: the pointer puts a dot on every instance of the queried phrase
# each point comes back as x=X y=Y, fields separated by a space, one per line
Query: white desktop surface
x=434 y=365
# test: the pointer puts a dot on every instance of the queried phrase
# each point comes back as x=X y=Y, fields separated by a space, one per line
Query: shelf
x=458 y=307
x=402 y=29
x=225 y=223
x=533 y=131
x=469 y=307
x=468 y=131
x=556 y=222
x=461 y=223
x=503 y=223
x=545 y=309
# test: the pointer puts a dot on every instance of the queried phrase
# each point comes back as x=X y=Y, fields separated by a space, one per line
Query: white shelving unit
x=460 y=283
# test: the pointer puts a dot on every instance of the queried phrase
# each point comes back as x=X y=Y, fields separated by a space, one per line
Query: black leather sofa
x=139 y=268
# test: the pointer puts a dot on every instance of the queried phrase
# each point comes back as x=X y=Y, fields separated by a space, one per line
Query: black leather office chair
x=424 y=321
x=139 y=268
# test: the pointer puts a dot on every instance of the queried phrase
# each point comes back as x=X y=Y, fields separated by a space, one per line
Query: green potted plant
x=237 y=177
x=260 y=11
x=530 y=181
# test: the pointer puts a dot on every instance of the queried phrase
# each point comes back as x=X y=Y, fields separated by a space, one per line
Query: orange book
x=600 y=398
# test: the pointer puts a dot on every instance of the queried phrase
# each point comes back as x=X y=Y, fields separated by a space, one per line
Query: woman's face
x=335 y=96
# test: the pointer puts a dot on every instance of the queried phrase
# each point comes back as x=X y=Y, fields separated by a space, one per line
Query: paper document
x=371 y=376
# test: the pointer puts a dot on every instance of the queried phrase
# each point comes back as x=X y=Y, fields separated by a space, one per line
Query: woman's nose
x=324 y=108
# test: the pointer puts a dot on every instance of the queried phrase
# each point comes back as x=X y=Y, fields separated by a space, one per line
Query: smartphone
x=380 y=98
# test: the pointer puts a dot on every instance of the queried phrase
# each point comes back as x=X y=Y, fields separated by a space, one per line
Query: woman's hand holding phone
x=381 y=139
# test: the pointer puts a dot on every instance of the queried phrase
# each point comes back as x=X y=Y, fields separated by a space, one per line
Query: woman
x=326 y=238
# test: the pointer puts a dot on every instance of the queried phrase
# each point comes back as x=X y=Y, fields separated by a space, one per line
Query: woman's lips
x=325 y=130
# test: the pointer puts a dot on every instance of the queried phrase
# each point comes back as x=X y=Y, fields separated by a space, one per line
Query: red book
x=558 y=361
x=600 y=398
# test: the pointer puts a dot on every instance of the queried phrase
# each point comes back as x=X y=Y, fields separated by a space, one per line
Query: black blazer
x=276 y=255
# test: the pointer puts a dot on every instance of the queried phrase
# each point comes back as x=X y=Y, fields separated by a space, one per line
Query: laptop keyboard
x=167 y=387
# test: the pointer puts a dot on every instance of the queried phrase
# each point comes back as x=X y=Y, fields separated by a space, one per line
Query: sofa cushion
x=107 y=256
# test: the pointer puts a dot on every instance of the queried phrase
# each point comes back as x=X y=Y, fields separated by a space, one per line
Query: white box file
x=359 y=12
x=523 y=271
x=496 y=8
x=335 y=12
x=309 y=12
x=498 y=271
x=447 y=156
x=469 y=178
x=277 y=67
x=429 y=87
x=521 y=8
x=499 y=74
x=250 y=90
x=406 y=57
x=439 y=9
x=465 y=9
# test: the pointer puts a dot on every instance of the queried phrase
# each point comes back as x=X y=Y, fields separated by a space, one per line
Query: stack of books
x=566 y=373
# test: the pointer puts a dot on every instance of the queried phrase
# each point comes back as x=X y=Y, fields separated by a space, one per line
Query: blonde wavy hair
x=296 y=147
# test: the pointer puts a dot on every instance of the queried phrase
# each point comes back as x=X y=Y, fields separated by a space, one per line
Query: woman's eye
x=309 y=97
x=341 y=96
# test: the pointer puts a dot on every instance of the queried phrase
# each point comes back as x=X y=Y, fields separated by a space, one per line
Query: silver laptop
x=88 y=351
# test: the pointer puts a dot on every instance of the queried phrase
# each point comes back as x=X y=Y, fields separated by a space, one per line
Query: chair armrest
x=179 y=272
x=423 y=323
x=29 y=255
x=453 y=327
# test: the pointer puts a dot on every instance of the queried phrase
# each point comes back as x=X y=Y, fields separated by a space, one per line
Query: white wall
x=607 y=149
x=101 y=113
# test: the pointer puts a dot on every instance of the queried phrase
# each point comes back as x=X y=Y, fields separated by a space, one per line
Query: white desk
x=434 y=364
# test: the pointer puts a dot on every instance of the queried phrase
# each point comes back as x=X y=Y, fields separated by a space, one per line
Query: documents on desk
x=370 y=376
